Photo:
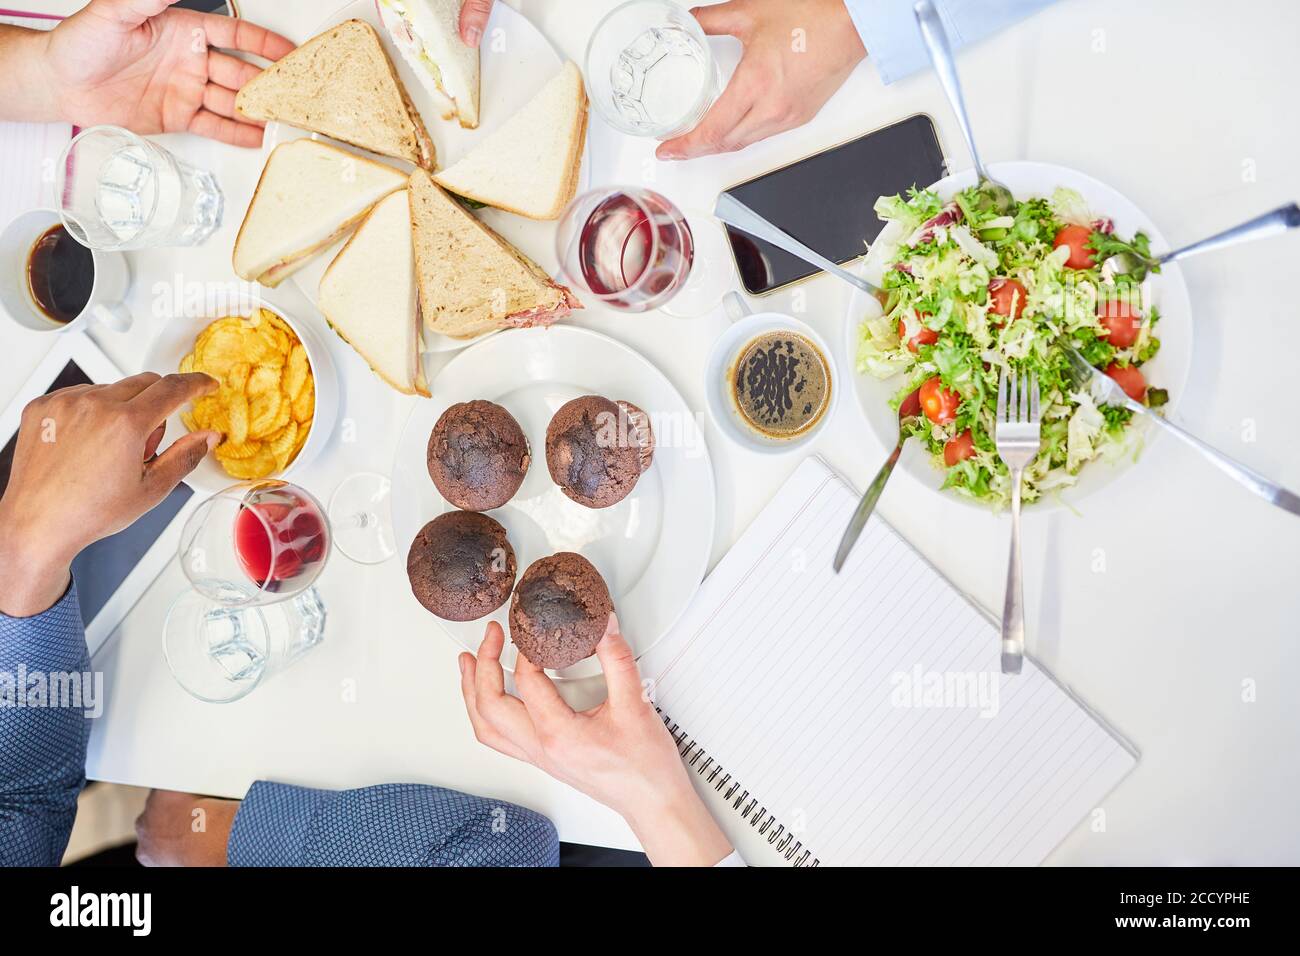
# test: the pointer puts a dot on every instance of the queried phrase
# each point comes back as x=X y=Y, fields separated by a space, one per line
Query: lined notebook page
x=866 y=711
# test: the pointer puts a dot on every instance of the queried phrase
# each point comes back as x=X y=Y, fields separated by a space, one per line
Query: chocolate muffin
x=478 y=455
x=597 y=449
x=560 y=610
x=461 y=566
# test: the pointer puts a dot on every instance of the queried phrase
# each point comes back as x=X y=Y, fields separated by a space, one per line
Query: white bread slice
x=341 y=83
x=529 y=165
x=368 y=296
x=471 y=280
x=427 y=34
x=308 y=196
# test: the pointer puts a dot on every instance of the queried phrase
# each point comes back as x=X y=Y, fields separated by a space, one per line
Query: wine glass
x=634 y=250
x=252 y=554
x=361 y=518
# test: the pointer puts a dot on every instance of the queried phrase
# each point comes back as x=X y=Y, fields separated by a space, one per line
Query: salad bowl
x=1165 y=290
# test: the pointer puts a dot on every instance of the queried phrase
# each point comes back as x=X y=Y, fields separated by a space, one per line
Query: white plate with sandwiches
x=652 y=547
x=504 y=127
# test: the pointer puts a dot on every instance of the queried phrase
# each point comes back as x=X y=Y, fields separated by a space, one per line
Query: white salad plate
x=652 y=548
x=516 y=61
x=1165 y=290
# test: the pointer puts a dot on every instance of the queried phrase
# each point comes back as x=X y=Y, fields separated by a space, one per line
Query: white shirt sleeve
x=732 y=859
x=889 y=32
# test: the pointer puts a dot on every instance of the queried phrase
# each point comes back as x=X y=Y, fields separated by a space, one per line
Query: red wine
x=619 y=257
x=278 y=537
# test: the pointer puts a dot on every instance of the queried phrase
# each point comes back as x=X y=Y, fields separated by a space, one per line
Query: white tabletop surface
x=1161 y=606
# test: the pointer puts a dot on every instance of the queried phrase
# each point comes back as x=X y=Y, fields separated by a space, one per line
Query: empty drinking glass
x=252 y=554
x=650 y=71
x=118 y=190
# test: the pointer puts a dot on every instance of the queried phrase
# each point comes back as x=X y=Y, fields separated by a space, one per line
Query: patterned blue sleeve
x=401 y=824
x=44 y=727
x=893 y=40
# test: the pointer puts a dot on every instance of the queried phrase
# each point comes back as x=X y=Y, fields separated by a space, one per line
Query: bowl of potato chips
x=275 y=404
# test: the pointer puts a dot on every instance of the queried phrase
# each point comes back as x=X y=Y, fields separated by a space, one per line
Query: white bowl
x=1166 y=290
x=176 y=340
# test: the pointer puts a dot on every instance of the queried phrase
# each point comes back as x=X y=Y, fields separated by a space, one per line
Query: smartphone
x=825 y=200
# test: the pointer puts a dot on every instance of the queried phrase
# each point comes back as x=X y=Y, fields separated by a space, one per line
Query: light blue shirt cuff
x=889 y=32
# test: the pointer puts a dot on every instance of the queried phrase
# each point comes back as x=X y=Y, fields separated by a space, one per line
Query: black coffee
x=60 y=275
x=781 y=384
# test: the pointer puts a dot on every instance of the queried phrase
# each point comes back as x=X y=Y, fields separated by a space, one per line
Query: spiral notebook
x=861 y=718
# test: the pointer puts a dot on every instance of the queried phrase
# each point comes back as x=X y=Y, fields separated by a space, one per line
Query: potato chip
x=259 y=465
x=265 y=379
x=187 y=419
x=187 y=364
x=296 y=372
x=303 y=431
x=228 y=450
x=237 y=430
x=263 y=410
x=210 y=413
x=304 y=406
x=282 y=444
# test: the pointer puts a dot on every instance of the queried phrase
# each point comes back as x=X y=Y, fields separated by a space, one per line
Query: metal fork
x=1018 y=438
x=1102 y=386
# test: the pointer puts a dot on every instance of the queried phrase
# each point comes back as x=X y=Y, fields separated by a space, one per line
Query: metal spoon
x=910 y=408
x=936 y=44
x=1279 y=220
x=733 y=212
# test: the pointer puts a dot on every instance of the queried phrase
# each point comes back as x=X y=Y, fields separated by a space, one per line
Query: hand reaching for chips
x=267 y=398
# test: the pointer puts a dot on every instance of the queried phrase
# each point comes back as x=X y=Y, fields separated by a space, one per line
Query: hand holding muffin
x=619 y=753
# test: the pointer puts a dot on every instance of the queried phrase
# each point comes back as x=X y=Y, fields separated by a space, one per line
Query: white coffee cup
x=112 y=279
x=745 y=327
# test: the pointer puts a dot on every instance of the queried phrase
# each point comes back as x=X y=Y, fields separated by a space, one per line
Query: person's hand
x=138 y=64
x=473 y=20
x=784 y=77
x=619 y=753
x=184 y=829
x=85 y=466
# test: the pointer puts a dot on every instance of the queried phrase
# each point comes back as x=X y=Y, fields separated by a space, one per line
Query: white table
x=1158 y=606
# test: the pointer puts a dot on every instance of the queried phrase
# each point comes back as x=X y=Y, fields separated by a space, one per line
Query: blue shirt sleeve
x=893 y=40
x=401 y=824
x=44 y=728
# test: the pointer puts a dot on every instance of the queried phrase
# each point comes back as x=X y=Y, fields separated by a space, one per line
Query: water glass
x=252 y=554
x=649 y=69
x=118 y=190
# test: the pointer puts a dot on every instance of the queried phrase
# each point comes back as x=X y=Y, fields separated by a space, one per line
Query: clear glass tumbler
x=118 y=190
x=252 y=554
x=649 y=69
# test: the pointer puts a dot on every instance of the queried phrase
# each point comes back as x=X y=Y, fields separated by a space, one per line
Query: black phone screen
x=825 y=201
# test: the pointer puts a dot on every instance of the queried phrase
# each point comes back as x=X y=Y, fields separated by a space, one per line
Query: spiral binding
x=765 y=823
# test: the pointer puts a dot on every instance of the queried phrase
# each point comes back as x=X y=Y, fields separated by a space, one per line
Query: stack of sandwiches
x=417 y=257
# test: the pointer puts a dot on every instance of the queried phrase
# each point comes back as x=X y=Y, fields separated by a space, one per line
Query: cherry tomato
x=1007 y=297
x=1121 y=322
x=910 y=407
x=1129 y=378
x=958 y=448
x=939 y=403
x=924 y=336
x=1076 y=237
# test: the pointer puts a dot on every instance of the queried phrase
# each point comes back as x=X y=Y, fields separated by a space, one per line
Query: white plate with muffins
x=564 y=442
